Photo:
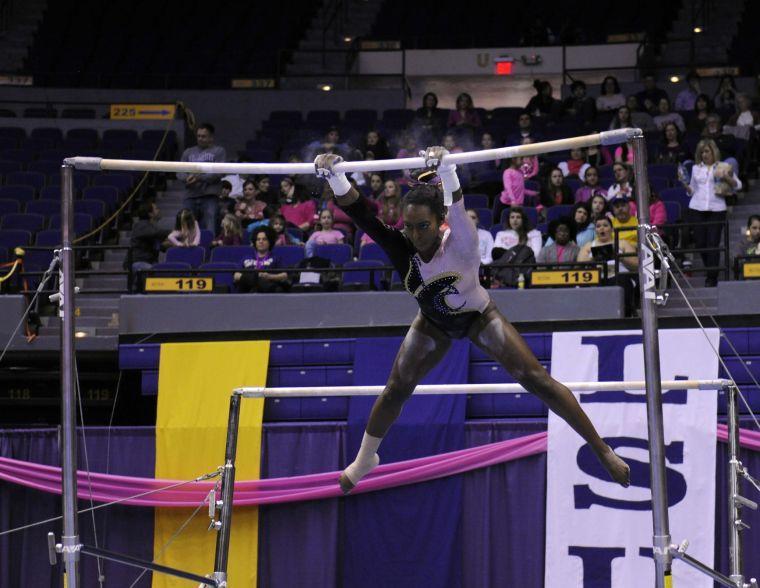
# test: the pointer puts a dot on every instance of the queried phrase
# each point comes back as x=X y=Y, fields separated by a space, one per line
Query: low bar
x=474 y=388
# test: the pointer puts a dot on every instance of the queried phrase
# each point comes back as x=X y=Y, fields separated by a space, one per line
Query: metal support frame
x=70 y=539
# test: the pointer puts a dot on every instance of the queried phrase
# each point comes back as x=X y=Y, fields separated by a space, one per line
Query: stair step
x=99 y=311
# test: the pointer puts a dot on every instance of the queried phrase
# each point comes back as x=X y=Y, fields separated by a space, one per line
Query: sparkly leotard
x=447 y=288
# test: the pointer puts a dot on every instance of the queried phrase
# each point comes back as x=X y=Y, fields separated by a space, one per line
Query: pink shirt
x=299 y=213
x=658 y=215
x=340 y=219
x=331 y=237
x=514 y=188
x=177 y=239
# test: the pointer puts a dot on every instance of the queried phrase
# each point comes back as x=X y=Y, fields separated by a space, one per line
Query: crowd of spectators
x=710 y=141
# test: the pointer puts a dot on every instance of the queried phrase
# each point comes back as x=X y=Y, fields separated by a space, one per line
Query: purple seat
x=289 y=255
x=659 y=184
x=192 y=256
x=373 y=251
x=8 y=206
x=43 y=207
x=531 y=213
x=475 y=200
x=81 y=179
x=16 y=133
x=40 y=112
x=172 y=265
x=605 y=171
x=676 y=195
x=51 y=193
x=35 y=179
x=555 y=212
x=122 y=181
x=89 y=136
x=485 y=218
x=23 y=222
x=8 y=167
x=672 y=211
x=107 y=194
x=48 y=238
x=52 y=134
x=45 y=167
x=22 y=156
x=668 y=171
x=20 y=193
x=9 y=239
x=363 y=278
x=234 y=255
x=78 y=113
x=119 y=138
x=222 y=278
x=95 y=208
x=82 y=222
x=337 y=254
x=289 y=116
x=360 y=117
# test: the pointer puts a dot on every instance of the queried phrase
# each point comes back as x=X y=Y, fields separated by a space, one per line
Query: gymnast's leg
x=423 y=347
x=495 y=335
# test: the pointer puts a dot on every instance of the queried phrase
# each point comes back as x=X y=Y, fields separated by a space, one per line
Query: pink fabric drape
x=108 y=487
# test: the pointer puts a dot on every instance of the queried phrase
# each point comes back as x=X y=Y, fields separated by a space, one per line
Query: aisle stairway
x=18 y=35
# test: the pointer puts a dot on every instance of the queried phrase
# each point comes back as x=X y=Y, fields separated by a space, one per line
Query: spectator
x=576 y=166
x=601 y=250
x=703 y=106
x=562 y=247
x=391 y=190
x=708 y=204
x=530 y=166
x=429 y=120
x=590 y=187
x=265 y=279
x=622 y=118
x=623 y=219
x=514 y=192
x=610 y=97
x=248 y=208
x=377 y=145
x=186 y=231
x=658 y=214
x=526 y=130
x=231 y=233
x=518 y=231
x=450 y=143
x=408 y=146
x=543 y=104
x=578 y=105
x=555 y=190
x=325 y=233
x=202 y=190
x=624 y=153
x=236 y=185
x=376 y=186
x=298 y=208
x=672 y=149
x=264 y=193
x=340 y=221
x=726 y=143
x=746 y=123
x=598 y=157
x=486 y=142
x=390 y=212
x=464 y=115
x=330 y=143
x=485 y=239
x=145 y=239
x=725 y=95
x=750 y=244
x=599 y=207
x=282 y=236
x=639 y=118
x=226 y=201
x=664 y=116
x=584 y=228
x=623 y=185
x=649 y=98
x=687 y=97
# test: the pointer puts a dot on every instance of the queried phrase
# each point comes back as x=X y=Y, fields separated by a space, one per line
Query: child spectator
x=231 y=234
x=610 y=97
x=264 y=280
x=450 y=143
x=226 y=201
x=665 y=116
x=282 y=236
x=672 y=149
x=590 y=187
x=517 y=230
x=562 y=248
x=325 y=233
x=599 y=207
x=375 y=144
x=624 y=153
x=186 y=231
x=485 y=239
x=576 y=166
x=584 y=227
x=530 y=165
x=555 y=191
x=750 y=244
x=514 y=192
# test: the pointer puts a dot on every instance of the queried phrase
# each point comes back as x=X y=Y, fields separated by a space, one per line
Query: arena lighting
x=697 y=30
x=325 y=87
x=675 y=79
x=347 y=39
x=80 y=334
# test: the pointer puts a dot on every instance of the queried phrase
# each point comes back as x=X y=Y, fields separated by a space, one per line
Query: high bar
x=474 y=388
x=613 y=137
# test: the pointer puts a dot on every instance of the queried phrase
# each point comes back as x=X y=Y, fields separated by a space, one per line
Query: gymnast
x=440 y=269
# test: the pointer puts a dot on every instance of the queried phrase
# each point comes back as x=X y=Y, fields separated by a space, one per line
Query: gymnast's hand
x=433 y=156
x=324 y=164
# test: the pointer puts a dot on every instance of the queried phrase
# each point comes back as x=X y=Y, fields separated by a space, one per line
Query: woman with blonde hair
x=711 y=181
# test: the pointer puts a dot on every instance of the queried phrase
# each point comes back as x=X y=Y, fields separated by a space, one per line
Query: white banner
x=598 y=534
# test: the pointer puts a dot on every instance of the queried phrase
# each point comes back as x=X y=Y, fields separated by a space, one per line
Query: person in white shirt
x=440 y=269
x=485 y=239
x=708 y=202
x=518 y=231
x=610 y=97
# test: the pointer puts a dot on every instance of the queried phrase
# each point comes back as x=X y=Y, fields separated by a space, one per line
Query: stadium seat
x=475 y=200
x=16 y=133
x=23 y=222
x=52 y=134
x=222 y=278
x=364 y=278
x=669 y=171
x=485 y=218
x=676 y=195
x=659 y=184
x=555 y=212
x=44 y=166
x=82 y=222
x=88 y=137
x=48 y=238
x=337 y=254
x=22 y=156
x=234 y=255
x=40 y=112
x=172 y=265
x=8 y=206
x=289 y=255
x=9 y=239
x=192 y=256
x=672 y=211
x=8 y=167
x=95 y=208
x=43 y=207
x=78 y=113
x=81 y=180
x=293 y=117
x=107 y=194
x=122 y=181
x=35 y=179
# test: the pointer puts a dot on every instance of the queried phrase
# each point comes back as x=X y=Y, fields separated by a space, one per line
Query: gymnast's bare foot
x=357 y=471
x=616 y=467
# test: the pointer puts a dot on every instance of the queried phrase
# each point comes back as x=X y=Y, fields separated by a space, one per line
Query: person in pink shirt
x=658 y=215
x=325 y=234
x=530 y=164
x=186 y=231
x=590 y=187
x=298 y=209
x=514 y=192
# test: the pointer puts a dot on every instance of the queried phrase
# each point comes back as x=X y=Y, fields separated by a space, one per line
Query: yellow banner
x=143 y=111
x=584 y=277
x=751 y=270
x=179 y=284
x=195 y=381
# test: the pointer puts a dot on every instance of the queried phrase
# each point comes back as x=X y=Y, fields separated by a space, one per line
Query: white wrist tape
x=449 y=182
x=339 y=184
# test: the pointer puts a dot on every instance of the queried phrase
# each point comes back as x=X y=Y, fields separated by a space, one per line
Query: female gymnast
x=440 y=269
